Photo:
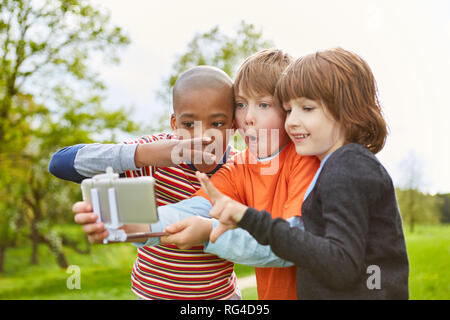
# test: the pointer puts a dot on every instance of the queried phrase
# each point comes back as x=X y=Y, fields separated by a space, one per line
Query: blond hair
x=259 y=73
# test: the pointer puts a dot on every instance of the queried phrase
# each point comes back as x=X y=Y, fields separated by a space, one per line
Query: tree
x=444 y=202
x=415 y=206
x=50 y=38
x=412 y=180
x=213 y=48
x=49 y=97
x=418 y=208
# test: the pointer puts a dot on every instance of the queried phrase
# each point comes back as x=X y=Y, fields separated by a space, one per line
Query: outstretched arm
x=81 y=161
x=336 y=257
x=239 y=246
x=235 y=245
x=78 y=162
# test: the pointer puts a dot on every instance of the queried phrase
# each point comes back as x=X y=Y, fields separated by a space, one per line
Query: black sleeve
x=346 y=188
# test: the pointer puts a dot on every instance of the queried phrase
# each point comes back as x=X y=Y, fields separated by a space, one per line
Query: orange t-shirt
x=277 y=186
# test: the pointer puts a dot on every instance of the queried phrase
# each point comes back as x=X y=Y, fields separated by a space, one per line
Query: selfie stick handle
x=95 y=199
x=113 y=233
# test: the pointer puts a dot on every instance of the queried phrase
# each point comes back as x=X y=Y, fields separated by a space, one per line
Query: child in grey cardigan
x=352 y=245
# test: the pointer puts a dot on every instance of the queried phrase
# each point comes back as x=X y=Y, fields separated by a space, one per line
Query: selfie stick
x=114 y=233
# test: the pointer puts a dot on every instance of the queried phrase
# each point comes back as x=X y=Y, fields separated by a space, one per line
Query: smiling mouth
x=300 y=136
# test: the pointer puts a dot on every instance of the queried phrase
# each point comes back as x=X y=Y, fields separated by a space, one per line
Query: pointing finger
x=195 y=142
x=208 y=187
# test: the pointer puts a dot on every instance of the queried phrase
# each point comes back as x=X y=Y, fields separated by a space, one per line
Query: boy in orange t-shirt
x=282 y=192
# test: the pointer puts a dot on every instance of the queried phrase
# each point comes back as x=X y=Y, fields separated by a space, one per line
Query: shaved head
x=200 y=78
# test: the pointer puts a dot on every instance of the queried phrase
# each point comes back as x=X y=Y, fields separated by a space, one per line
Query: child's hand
x=84 y=216
x=96 y=231
x=226 y=210
x=167 y=153
x=189 y=232
x=191 y=151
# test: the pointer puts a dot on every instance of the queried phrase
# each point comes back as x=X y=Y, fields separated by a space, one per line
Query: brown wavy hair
x=344 y=83
x=259 y=73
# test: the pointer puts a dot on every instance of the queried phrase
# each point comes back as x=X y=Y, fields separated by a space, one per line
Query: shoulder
x=352 y=156
x=353 y=165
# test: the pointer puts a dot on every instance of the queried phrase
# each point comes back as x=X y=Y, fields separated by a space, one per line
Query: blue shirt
x=314 y=180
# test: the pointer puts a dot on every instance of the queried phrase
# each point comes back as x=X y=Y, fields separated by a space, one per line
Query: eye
x=308 y=108
x=240 y=105
x=264 y=105
x=188 y=125
x=287 y=108
x=218 y=124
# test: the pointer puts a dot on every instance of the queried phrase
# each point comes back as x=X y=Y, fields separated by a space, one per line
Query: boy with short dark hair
x=202 y=95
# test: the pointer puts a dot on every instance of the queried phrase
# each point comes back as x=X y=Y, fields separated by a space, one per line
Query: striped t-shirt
x=165 y=271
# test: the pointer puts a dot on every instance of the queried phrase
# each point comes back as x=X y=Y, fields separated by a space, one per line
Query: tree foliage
x=50 y=97
x=418 y=208
x=213 y=48
x=444 y=204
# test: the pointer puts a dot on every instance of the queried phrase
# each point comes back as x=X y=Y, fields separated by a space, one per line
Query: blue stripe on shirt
x=314 y=180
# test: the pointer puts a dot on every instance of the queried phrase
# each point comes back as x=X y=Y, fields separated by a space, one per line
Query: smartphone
x=121 y=201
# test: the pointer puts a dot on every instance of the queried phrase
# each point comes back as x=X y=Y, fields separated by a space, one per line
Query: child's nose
x=291 y=121
x=250 y=117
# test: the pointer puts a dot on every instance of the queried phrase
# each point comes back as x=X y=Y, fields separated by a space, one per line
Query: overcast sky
x=406 y=43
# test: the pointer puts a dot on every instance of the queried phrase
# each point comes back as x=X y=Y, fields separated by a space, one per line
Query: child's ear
x=173 y=122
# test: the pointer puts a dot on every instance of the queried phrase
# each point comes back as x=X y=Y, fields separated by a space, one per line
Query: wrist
x=239 y=213
x=139 y=155
x=207 y=227
x=247 y=218
x=213 y=225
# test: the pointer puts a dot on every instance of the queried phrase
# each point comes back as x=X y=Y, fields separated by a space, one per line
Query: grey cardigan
x=353 y=245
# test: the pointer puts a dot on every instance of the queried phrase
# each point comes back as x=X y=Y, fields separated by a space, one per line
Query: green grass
x=105 y=272
x=429 y=262
x=249 y=294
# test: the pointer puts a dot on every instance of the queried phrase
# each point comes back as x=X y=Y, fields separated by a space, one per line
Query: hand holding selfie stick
x=122 y=201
